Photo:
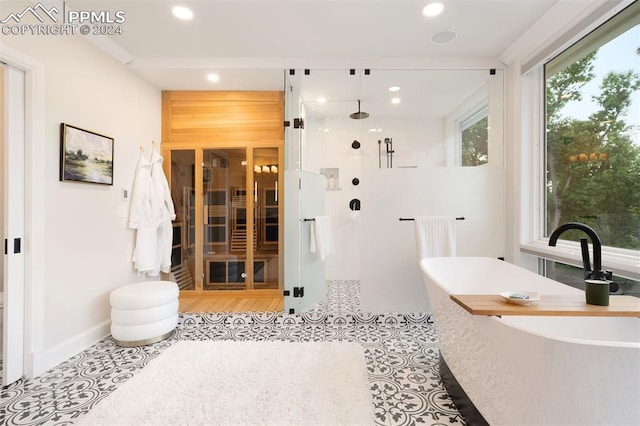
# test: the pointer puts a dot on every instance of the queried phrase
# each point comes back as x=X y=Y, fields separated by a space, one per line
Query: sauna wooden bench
x=549 y=305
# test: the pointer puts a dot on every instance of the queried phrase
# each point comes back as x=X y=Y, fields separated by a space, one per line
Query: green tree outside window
x=593 y=163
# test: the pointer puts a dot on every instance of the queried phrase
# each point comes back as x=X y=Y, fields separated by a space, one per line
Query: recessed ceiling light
x=213 y=77
x=444 y=36
x=395 y=101
x=322 y=100
x=433 y=9
x=394 y=88
x=182 y=12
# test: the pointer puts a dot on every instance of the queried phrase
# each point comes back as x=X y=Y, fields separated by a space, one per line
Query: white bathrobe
x=165 y=214
x=143 y=217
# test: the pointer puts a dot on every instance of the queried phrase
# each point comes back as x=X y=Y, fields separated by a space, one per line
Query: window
x=592 y=154
x=574 y=277
x=475 y=139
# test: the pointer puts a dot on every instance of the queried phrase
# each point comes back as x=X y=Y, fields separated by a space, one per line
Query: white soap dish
x=520 y=297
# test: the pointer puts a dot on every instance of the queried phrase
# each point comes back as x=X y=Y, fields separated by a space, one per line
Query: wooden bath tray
x=551 y=305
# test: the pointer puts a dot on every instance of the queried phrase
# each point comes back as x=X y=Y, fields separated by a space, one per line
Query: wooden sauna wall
x=229 y=119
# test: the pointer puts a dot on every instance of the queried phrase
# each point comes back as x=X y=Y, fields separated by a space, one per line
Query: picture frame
x=85 y=156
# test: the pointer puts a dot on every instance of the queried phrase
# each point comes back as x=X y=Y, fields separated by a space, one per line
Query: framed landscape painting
x=85 y=156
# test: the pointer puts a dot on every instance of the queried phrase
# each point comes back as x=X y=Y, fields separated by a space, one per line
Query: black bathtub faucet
x=589 y=274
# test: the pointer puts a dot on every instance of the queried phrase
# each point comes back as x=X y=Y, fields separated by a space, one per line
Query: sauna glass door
x=182 y=182
x=267 y=207
x=227 y=232
x=227 y=238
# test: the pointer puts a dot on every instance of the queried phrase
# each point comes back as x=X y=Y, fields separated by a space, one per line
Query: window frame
x=453 y=124
x=623 y=262
x=474 y=115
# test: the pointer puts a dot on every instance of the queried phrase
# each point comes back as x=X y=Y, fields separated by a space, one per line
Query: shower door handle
x=275 y=187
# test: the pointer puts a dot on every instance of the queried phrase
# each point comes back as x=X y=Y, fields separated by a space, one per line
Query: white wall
x=391 y=279
x=88 y=247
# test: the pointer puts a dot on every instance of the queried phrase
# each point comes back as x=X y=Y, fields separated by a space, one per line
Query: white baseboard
x=43 y=360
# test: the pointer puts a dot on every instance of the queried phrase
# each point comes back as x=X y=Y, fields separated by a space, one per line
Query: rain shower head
x=359 y=115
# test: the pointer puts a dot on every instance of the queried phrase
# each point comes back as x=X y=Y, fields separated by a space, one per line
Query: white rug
x=244 y=383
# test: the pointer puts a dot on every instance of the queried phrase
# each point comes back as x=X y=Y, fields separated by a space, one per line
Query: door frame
x=31 y=307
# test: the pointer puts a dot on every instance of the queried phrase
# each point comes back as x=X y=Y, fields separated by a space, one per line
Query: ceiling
x=274 y=34
x=249 y=43
x=321 y=28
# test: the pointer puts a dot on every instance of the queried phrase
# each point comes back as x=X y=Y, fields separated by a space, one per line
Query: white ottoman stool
x=144 y=313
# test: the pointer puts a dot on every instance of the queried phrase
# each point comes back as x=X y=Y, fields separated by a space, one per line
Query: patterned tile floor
x=401 y=351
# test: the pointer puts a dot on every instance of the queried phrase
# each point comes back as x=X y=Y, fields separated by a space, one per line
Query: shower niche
x=333 y=178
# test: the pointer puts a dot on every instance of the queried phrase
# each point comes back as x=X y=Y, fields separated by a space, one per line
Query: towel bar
x=308 y=220
x=403 y=219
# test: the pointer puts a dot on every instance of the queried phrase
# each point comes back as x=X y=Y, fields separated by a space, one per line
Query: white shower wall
x=327 y=144
x=390 y=277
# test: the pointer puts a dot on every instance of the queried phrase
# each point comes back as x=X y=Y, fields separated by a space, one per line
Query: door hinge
x=298 y=292
x=287 y=123
x=292 y=311
x=287 y=293
x=298 y=123
x=6 y=246
x=299 y=183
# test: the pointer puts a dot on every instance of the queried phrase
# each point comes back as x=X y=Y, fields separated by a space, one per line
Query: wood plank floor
x=229 y=303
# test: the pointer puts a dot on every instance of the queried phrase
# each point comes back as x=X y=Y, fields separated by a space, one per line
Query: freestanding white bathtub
x=533 y=370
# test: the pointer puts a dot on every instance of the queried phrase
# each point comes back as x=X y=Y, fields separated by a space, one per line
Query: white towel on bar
x=435 y=236
x=321 y=240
